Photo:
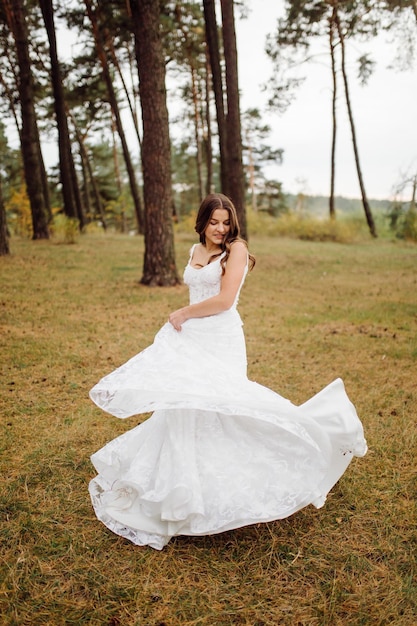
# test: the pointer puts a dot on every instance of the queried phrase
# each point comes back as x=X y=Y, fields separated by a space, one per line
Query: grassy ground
x=312 y=311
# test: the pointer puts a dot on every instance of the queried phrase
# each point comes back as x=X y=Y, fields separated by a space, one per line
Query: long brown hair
x=219 y=201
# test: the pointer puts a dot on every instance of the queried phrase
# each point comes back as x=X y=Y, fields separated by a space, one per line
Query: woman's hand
x=177 y=318
x=230 y=283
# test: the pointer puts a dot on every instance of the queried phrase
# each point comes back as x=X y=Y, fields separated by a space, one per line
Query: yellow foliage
x=20 y=216
x=186 y=224
x=309 y=228
x=305 y=227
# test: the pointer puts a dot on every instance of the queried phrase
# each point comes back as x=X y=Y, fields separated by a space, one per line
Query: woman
x=219 y=451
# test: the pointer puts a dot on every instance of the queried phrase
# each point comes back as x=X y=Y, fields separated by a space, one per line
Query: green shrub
x=410 y=225
x=65 y=229
x=403 y=221
x=303 y=227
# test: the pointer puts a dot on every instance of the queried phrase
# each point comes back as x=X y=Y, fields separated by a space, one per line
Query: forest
x=91 y=252
x=103 y=107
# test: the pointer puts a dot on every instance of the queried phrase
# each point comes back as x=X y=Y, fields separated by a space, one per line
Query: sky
x=385 y=115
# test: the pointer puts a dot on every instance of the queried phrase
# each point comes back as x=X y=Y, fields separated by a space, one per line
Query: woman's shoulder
x=195 y=248
x=238 y=254
x=238 y=248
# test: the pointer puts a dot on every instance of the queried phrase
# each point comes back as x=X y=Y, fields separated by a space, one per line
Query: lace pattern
x=220 y=451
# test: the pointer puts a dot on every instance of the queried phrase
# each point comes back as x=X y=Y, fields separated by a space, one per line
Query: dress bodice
x=205 y=282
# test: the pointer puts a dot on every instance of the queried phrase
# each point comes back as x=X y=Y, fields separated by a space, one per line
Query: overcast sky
x=384 y=110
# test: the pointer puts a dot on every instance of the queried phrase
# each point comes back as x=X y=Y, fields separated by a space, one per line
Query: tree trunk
x=85 y=186
x=208 y=136
x=216 y=73
x=413 y=194
x=45 y=185
x=70 y=189
x=123 y=224
x=130 y=104
x=86 y=166
x=93 y=182
x=4 y=240
x=236 y=173
x=136 y=113
x=251 y=170
x=159 y=261
x=101 y=53
x=30 y=142
x=197 y=125
x=332 y=211
x=367 y=209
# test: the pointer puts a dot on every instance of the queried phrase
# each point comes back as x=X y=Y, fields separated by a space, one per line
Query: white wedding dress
x=219 y=451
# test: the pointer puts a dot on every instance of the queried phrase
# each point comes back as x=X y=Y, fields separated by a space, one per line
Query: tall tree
x=229 y=126
x=234 y=133
x=208 y=139
x=213 y=45
x=332 y=46
x=307 y=19
x=159 y=261
x=257 y=153
x=367 y=208
x=100 y=34
x=186 y=46
x=30 y=142
x=89 y=178
x=70 y=189
x=4 y=240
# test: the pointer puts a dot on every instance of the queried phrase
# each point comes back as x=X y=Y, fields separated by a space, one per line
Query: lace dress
x=219 y=451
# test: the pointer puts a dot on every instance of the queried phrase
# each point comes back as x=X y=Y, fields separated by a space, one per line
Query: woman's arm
x=230 y=284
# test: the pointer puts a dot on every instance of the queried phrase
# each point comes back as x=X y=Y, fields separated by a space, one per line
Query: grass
x=312 y=311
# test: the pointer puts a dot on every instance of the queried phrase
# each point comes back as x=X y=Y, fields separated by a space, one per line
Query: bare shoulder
x=238 y=250
x=196 y=250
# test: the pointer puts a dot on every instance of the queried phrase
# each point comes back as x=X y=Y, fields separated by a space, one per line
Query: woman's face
x=218 y=227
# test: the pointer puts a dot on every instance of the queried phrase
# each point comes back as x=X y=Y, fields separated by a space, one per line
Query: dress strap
x=191 y=253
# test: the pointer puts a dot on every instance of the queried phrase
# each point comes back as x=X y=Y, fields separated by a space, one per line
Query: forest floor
x=313 y=311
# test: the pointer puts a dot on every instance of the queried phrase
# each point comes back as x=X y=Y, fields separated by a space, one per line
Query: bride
x=219 y=451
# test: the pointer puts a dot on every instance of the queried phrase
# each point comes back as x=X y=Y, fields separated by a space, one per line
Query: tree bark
x=236 y=173
x=73 y=206
x=88 y=175
x=159 y=261
x=332 y=211
x=130 y=104
x=367 y=208
x=216 y=73
x=208 y=136
x=123 y=224
x=197 y=124
x=99 y=209
x=4 y=240
x=30 y=141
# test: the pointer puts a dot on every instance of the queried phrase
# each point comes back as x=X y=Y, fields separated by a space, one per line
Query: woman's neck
x=211 y=248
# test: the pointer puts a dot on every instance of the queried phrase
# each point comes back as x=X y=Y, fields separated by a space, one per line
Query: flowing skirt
x=219 y=451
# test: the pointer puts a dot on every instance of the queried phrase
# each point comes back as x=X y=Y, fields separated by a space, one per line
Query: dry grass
x=312 y=312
